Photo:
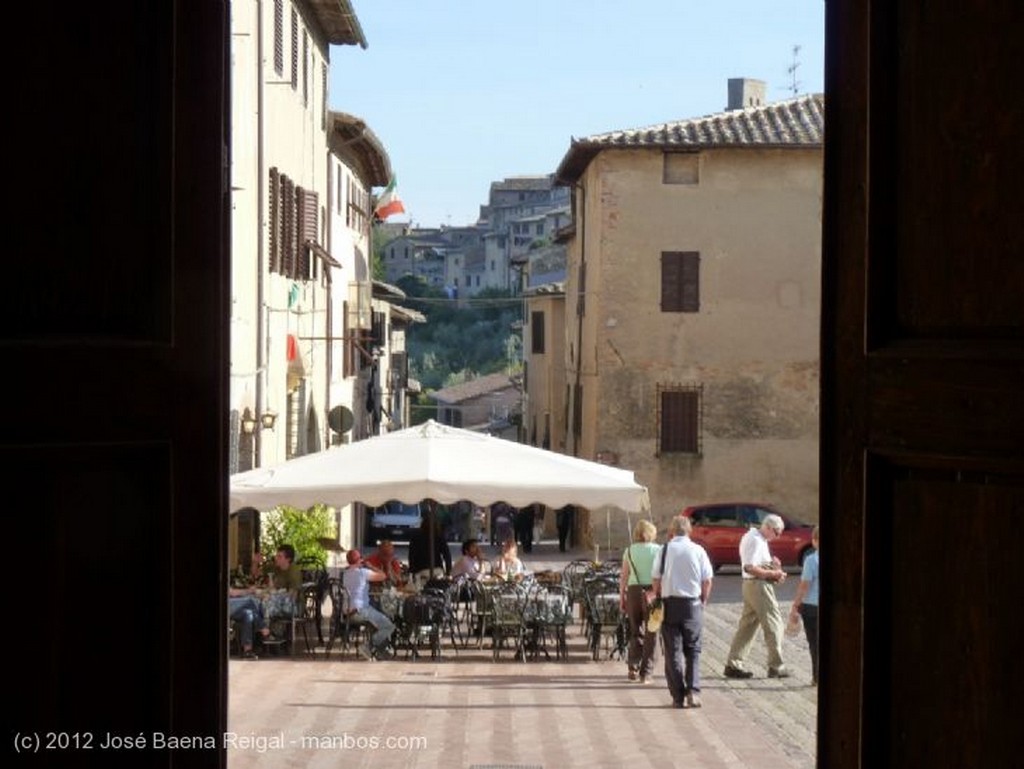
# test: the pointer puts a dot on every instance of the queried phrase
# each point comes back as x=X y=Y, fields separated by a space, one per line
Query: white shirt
x=687 y=567
x=470 y=567
x=754 y=551
x=355 y=581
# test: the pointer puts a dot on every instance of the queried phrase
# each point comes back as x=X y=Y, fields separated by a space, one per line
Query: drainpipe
x=578 y=390
x=261 y=358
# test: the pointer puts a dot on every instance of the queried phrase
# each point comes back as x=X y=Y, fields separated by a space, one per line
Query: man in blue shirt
x=806 y=604
x=683 y=580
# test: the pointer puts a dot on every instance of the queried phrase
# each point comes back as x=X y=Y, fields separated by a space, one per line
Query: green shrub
x=302 y=529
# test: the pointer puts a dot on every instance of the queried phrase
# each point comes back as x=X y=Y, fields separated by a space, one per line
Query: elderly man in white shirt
x=761 y=572
x=682 y=576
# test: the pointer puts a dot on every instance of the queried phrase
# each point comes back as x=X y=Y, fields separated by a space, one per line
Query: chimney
x=746 y=92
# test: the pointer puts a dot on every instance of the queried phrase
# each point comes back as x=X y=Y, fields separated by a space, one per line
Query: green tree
x=302 y=529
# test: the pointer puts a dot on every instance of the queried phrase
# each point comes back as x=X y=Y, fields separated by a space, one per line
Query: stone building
x=692 y=304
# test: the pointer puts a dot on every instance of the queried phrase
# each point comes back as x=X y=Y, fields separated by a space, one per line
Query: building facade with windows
x=282 y=270
x=692 y=305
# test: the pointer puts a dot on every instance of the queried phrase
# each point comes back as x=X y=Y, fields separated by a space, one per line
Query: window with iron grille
x=295 y=49
x=680 y=281
x=537 y=333
x=279 y=37
x=679 y=419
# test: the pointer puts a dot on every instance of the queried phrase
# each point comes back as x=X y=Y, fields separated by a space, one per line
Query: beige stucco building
x=692 y=305
x=317 y=347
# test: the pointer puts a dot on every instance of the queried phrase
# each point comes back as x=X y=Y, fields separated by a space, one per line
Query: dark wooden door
x=923 y=384
x=114 y=339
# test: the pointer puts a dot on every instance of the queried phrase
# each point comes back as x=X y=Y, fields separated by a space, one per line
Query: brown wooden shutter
x=287 y=227
x=274 y=204
x=680 y=281
x=537 y=332
x=295 y=49
x=690 y=282
x=323 y=98
x=678 y=430
x=305 y=69
x=308 y=209
x=279 y=37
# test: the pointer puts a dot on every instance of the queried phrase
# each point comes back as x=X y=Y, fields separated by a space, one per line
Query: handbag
x=656 y=606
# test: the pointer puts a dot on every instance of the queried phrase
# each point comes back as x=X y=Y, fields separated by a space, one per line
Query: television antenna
x=794 y=84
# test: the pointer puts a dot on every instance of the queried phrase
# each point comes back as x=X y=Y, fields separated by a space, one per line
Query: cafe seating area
x=558 y=615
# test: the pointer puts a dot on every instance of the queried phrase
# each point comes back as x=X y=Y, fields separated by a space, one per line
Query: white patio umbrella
x=446 y=464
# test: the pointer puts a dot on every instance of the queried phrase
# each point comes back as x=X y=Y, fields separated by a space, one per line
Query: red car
x=719 y=526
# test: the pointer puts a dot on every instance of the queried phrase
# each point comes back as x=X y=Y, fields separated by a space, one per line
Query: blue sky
x=466 y=92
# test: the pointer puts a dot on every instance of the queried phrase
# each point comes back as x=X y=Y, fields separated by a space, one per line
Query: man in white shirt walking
x=761 y=572
x=682 y=577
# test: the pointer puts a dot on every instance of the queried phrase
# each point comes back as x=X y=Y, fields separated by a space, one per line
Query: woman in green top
x=635 y=590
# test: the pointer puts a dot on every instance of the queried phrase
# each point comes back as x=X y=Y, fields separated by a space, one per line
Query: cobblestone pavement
x=467 y=711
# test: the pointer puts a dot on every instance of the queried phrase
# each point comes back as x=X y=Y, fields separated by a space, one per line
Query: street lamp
x=265 y=420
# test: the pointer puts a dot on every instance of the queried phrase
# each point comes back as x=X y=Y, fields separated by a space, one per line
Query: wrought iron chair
x=423 y=622
x=548 y=613
x=345 y=628
x=607 y=622
x=509 y=620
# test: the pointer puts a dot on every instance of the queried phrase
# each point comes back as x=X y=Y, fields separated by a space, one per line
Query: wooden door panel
x=115 y=334
x=922 y=456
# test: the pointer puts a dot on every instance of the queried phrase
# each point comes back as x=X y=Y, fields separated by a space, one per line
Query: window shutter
x=274 y=202
x=308 y=217
x=679 y=421
x=671 y=278
x=680 y=281
x=305 y=69
x=537 y=332
x=323 y=97
x=279 y=37
x=287 y=227
x=295 y=49
x=399 y=370
x=690 y=282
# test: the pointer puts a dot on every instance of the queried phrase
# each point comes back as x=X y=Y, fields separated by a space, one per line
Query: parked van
x=395 y=520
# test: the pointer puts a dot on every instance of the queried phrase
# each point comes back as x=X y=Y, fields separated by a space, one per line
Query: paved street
x=467 y=711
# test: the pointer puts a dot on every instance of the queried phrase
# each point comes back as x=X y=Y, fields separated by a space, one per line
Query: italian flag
x=389 y=203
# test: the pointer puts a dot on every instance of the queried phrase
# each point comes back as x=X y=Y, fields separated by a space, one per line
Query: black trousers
x=680 y=632
x=809 y=614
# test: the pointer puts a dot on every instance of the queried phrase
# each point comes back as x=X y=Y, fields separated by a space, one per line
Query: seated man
x=384 y=560
x=357 y=579
x=286 y=581
x=471 y=564
x=247 y=610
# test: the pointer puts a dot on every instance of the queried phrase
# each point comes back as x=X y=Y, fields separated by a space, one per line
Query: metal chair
x=607 y=621
x=423 y=621
x=547 y=615
x=509 y=621
x=344 y=626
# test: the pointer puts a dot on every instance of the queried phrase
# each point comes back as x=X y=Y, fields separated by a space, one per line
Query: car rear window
x=720 y=515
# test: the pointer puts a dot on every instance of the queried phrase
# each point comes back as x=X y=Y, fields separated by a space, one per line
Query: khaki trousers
x=759 y=609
